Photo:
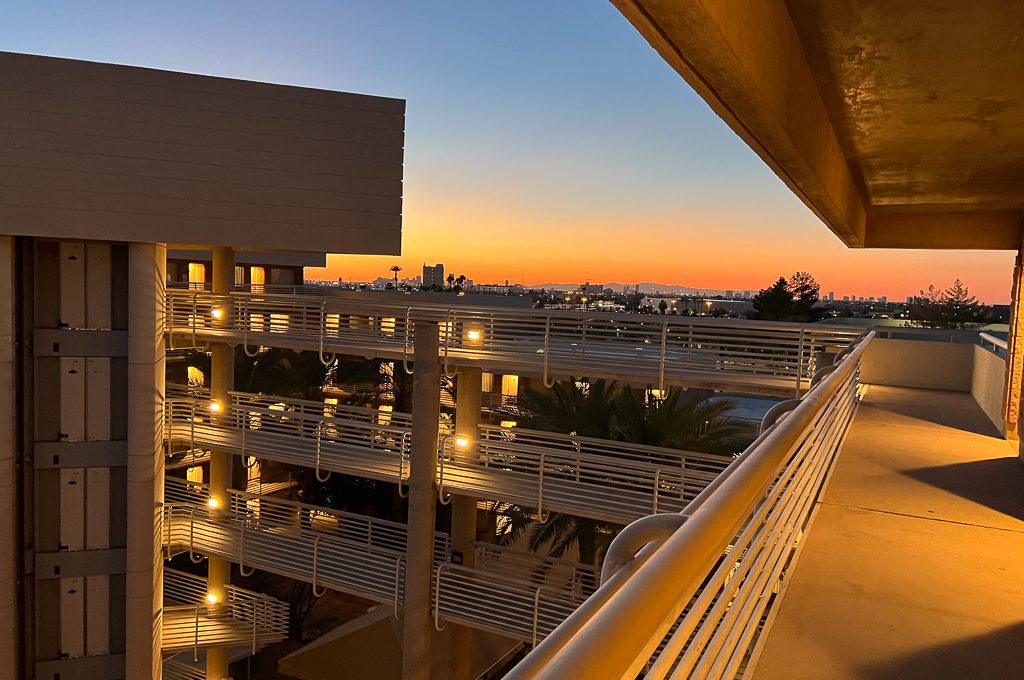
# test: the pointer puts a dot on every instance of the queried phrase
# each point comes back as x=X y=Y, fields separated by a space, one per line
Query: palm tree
x=395 y=268
x=604 y=410
x=570 y=407
x=695 y=424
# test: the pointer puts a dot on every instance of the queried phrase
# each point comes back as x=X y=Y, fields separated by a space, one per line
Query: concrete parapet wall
x=988 y=383
x=919 y=363
x=934 y=365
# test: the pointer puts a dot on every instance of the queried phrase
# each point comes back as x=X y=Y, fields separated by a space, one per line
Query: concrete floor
x=914 y=565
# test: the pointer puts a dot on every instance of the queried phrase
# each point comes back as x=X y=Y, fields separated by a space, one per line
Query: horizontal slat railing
x=695 y=606
x=190 y=621
x=180 y=670
x=514 y=593
x=610 y=481
x=657 y=350
x=603 y=479
x=614 y=481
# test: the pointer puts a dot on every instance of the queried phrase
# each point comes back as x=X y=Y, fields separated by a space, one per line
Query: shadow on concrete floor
x=993 y=656
x=955 y=410
x=995 y=483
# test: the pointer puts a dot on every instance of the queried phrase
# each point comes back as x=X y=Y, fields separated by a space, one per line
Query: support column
x=222 y=378
x=147 y=263
x=9 y=548
x=426 y=410
x=464 y=513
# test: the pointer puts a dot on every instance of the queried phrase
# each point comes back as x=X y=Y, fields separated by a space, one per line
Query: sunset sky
x=546 y=141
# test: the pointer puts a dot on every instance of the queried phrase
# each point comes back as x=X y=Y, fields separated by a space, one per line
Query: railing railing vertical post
x=800 y=365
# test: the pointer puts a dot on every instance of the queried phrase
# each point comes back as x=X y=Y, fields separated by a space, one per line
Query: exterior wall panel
x=123 y=153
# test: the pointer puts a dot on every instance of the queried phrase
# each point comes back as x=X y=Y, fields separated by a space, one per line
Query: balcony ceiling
x=900 y=123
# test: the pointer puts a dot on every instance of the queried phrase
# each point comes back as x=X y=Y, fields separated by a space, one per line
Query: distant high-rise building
x=728 y=294
x=433 y=276
x=636 y=288
x=884 y=300
x=831 y=296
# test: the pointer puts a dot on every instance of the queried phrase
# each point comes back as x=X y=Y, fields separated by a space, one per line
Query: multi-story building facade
x=105 y=168
x=433 y=275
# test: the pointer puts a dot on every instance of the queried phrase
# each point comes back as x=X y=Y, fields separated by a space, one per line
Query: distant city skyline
x=317 y=274
x=544 y=141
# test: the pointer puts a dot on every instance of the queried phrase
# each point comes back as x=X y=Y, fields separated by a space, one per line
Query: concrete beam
x=899 y=228
x=746 y=60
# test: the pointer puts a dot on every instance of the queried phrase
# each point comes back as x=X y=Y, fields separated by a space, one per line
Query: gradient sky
x=545 y=141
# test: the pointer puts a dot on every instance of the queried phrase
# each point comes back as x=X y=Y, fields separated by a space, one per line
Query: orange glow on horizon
x=708 y=257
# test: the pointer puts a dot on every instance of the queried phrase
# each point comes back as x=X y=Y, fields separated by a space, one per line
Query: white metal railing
x=180 y=670
x=193 y=621
x=761 y=356
x=602 y=479
x=513 y=593
x=998 y=345
x=575 y=578
x=693 y=601
x=488 y=400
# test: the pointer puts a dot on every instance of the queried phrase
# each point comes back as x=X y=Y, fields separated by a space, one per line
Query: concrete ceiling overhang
x=899 y=123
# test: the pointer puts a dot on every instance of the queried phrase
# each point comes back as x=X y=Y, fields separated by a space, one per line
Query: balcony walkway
x=912 y=567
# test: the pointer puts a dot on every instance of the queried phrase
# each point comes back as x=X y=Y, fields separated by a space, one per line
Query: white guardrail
x=695 y=590
x=601 y=479
x=192 y=621
x=510 y=592
x=757 y=356
x=175 y=669
x=999 y=346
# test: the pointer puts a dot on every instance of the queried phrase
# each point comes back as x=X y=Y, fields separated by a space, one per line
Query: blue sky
x=551 y=128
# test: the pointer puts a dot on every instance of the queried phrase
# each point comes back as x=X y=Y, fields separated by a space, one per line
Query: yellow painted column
x=1015 y=355
x=222 y=369
x=467 y=421
x=426 y=410
x=147 y=275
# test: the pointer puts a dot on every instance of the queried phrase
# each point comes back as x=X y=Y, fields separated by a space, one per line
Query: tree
x=395 y=268
x=805 y=291
x=604 y=410
x=677 y=422
x=451 y=279
x=662 y=306
x=774 y=303
x=792 y=300
x=953 y=307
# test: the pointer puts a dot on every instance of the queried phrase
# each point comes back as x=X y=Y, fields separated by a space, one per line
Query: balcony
x=611 y=481
x=517 y=594
x=911 y=566
x=192 y=621
x=869 y=532
x=646 y=350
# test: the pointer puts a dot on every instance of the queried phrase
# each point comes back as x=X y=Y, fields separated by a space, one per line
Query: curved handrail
x=997 y=343
x=616 y=634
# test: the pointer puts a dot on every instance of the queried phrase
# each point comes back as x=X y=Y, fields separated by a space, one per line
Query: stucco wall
x=987 y=384
x=919 y=363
